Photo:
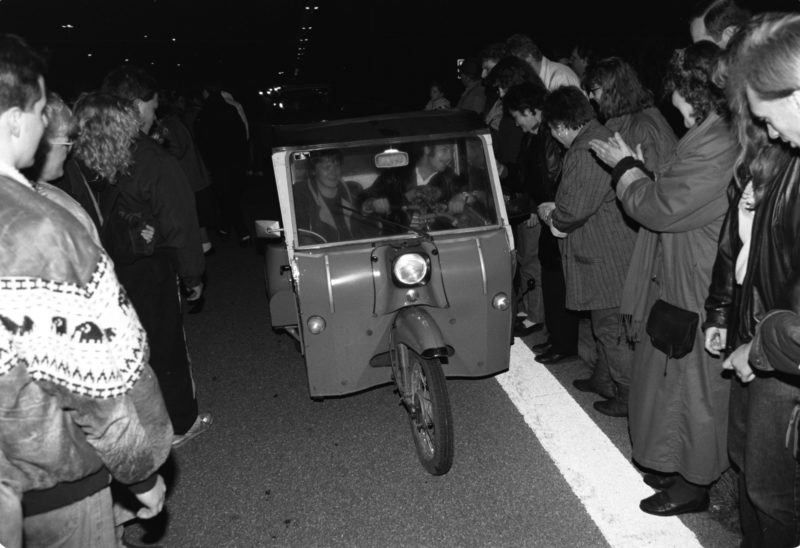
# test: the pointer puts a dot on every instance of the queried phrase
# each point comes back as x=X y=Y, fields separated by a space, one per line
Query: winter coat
x=679 y=408
x=596 y=252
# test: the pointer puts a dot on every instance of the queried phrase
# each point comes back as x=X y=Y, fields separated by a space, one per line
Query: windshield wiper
x=417 y=231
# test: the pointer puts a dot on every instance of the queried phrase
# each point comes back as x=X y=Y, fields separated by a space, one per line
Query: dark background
x=367 y=55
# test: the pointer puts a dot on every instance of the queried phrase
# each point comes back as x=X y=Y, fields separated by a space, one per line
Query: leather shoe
x=661 y=505
x=614 y=407
x=521 y=331
x=660 y=481
x=541 y=348
x=588 y=385
x=554 y=356
x=200 y=425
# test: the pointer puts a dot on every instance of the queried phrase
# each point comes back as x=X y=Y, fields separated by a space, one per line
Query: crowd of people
x=682 y=252
x=105 y=210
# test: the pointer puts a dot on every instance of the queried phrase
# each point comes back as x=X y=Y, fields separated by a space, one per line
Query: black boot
x=616 y=407
x=600 y=382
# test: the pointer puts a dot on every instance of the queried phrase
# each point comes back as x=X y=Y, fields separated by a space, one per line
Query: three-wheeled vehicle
x=393 y=261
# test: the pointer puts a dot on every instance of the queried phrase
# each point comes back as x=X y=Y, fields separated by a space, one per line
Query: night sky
x=374 y=53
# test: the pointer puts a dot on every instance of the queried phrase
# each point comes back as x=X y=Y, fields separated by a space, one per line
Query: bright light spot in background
x=88 y=55
x=261 y=93
x=280 y=105
x=174 y=40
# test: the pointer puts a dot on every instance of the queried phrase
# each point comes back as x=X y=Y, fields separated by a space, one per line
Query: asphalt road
x=277 y=469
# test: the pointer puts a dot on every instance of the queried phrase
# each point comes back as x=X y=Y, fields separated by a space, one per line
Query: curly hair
x=106 y=128
x=763 y=57
x=690 y=73
x=623 y=92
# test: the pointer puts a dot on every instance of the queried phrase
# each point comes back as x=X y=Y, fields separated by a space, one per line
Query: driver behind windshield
x=429 y=188
x=324 y=203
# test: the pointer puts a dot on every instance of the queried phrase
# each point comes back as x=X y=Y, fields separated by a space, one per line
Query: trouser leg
x=611 y=345
x=153 y=289
x=562 y=324
x=530 y=271
x=88 y=523
x=771 y=473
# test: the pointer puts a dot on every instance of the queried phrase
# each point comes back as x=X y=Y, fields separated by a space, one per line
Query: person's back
x=221 y=135
x=157 y=188
x=649 y=129
x=73 y=347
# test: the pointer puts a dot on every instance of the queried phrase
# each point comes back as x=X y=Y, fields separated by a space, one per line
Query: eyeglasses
x=595 y=90
x=62 y=142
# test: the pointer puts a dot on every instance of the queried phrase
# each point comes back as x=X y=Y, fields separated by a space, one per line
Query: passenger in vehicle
x=408 y=195
x=325 y=204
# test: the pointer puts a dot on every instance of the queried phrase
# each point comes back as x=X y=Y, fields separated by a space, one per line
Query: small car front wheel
x=429 y=412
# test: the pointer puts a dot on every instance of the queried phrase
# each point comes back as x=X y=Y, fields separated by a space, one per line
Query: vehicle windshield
x=365 y=192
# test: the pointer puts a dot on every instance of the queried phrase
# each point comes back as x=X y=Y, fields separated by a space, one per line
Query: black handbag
x=672 y=329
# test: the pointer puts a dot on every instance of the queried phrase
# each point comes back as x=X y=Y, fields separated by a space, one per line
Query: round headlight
x=410 y=269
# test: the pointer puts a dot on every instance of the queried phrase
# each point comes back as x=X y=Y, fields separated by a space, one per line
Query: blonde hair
x=60 y=123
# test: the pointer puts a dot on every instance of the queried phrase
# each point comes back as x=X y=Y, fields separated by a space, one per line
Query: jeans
x=88 y=523
x=769 y=481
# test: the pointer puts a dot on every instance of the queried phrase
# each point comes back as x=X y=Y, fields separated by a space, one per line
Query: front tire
x=429 y=413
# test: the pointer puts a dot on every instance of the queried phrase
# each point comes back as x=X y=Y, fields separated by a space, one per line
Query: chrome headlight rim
x=412 y=269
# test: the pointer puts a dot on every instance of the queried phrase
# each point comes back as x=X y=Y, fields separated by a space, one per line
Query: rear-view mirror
x=391 y=157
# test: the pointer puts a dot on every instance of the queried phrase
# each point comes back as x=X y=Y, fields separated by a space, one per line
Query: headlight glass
x=410 y=269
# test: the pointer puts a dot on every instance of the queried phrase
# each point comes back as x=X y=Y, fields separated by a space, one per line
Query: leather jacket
x=773 y=261
x=76 y=392
x=541 y=159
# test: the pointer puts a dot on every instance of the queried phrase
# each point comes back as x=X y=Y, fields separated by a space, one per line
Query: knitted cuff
x=627 y=163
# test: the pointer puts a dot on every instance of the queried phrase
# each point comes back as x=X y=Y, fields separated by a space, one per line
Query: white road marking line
x=599 y=474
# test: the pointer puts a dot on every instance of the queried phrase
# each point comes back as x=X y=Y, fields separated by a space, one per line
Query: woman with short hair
x=50 y=157
x=598 y=239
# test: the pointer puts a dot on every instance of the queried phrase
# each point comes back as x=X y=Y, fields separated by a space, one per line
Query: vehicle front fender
x=416 y=328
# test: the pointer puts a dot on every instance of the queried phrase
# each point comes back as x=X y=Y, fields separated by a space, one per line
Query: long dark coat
x=678 y=410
